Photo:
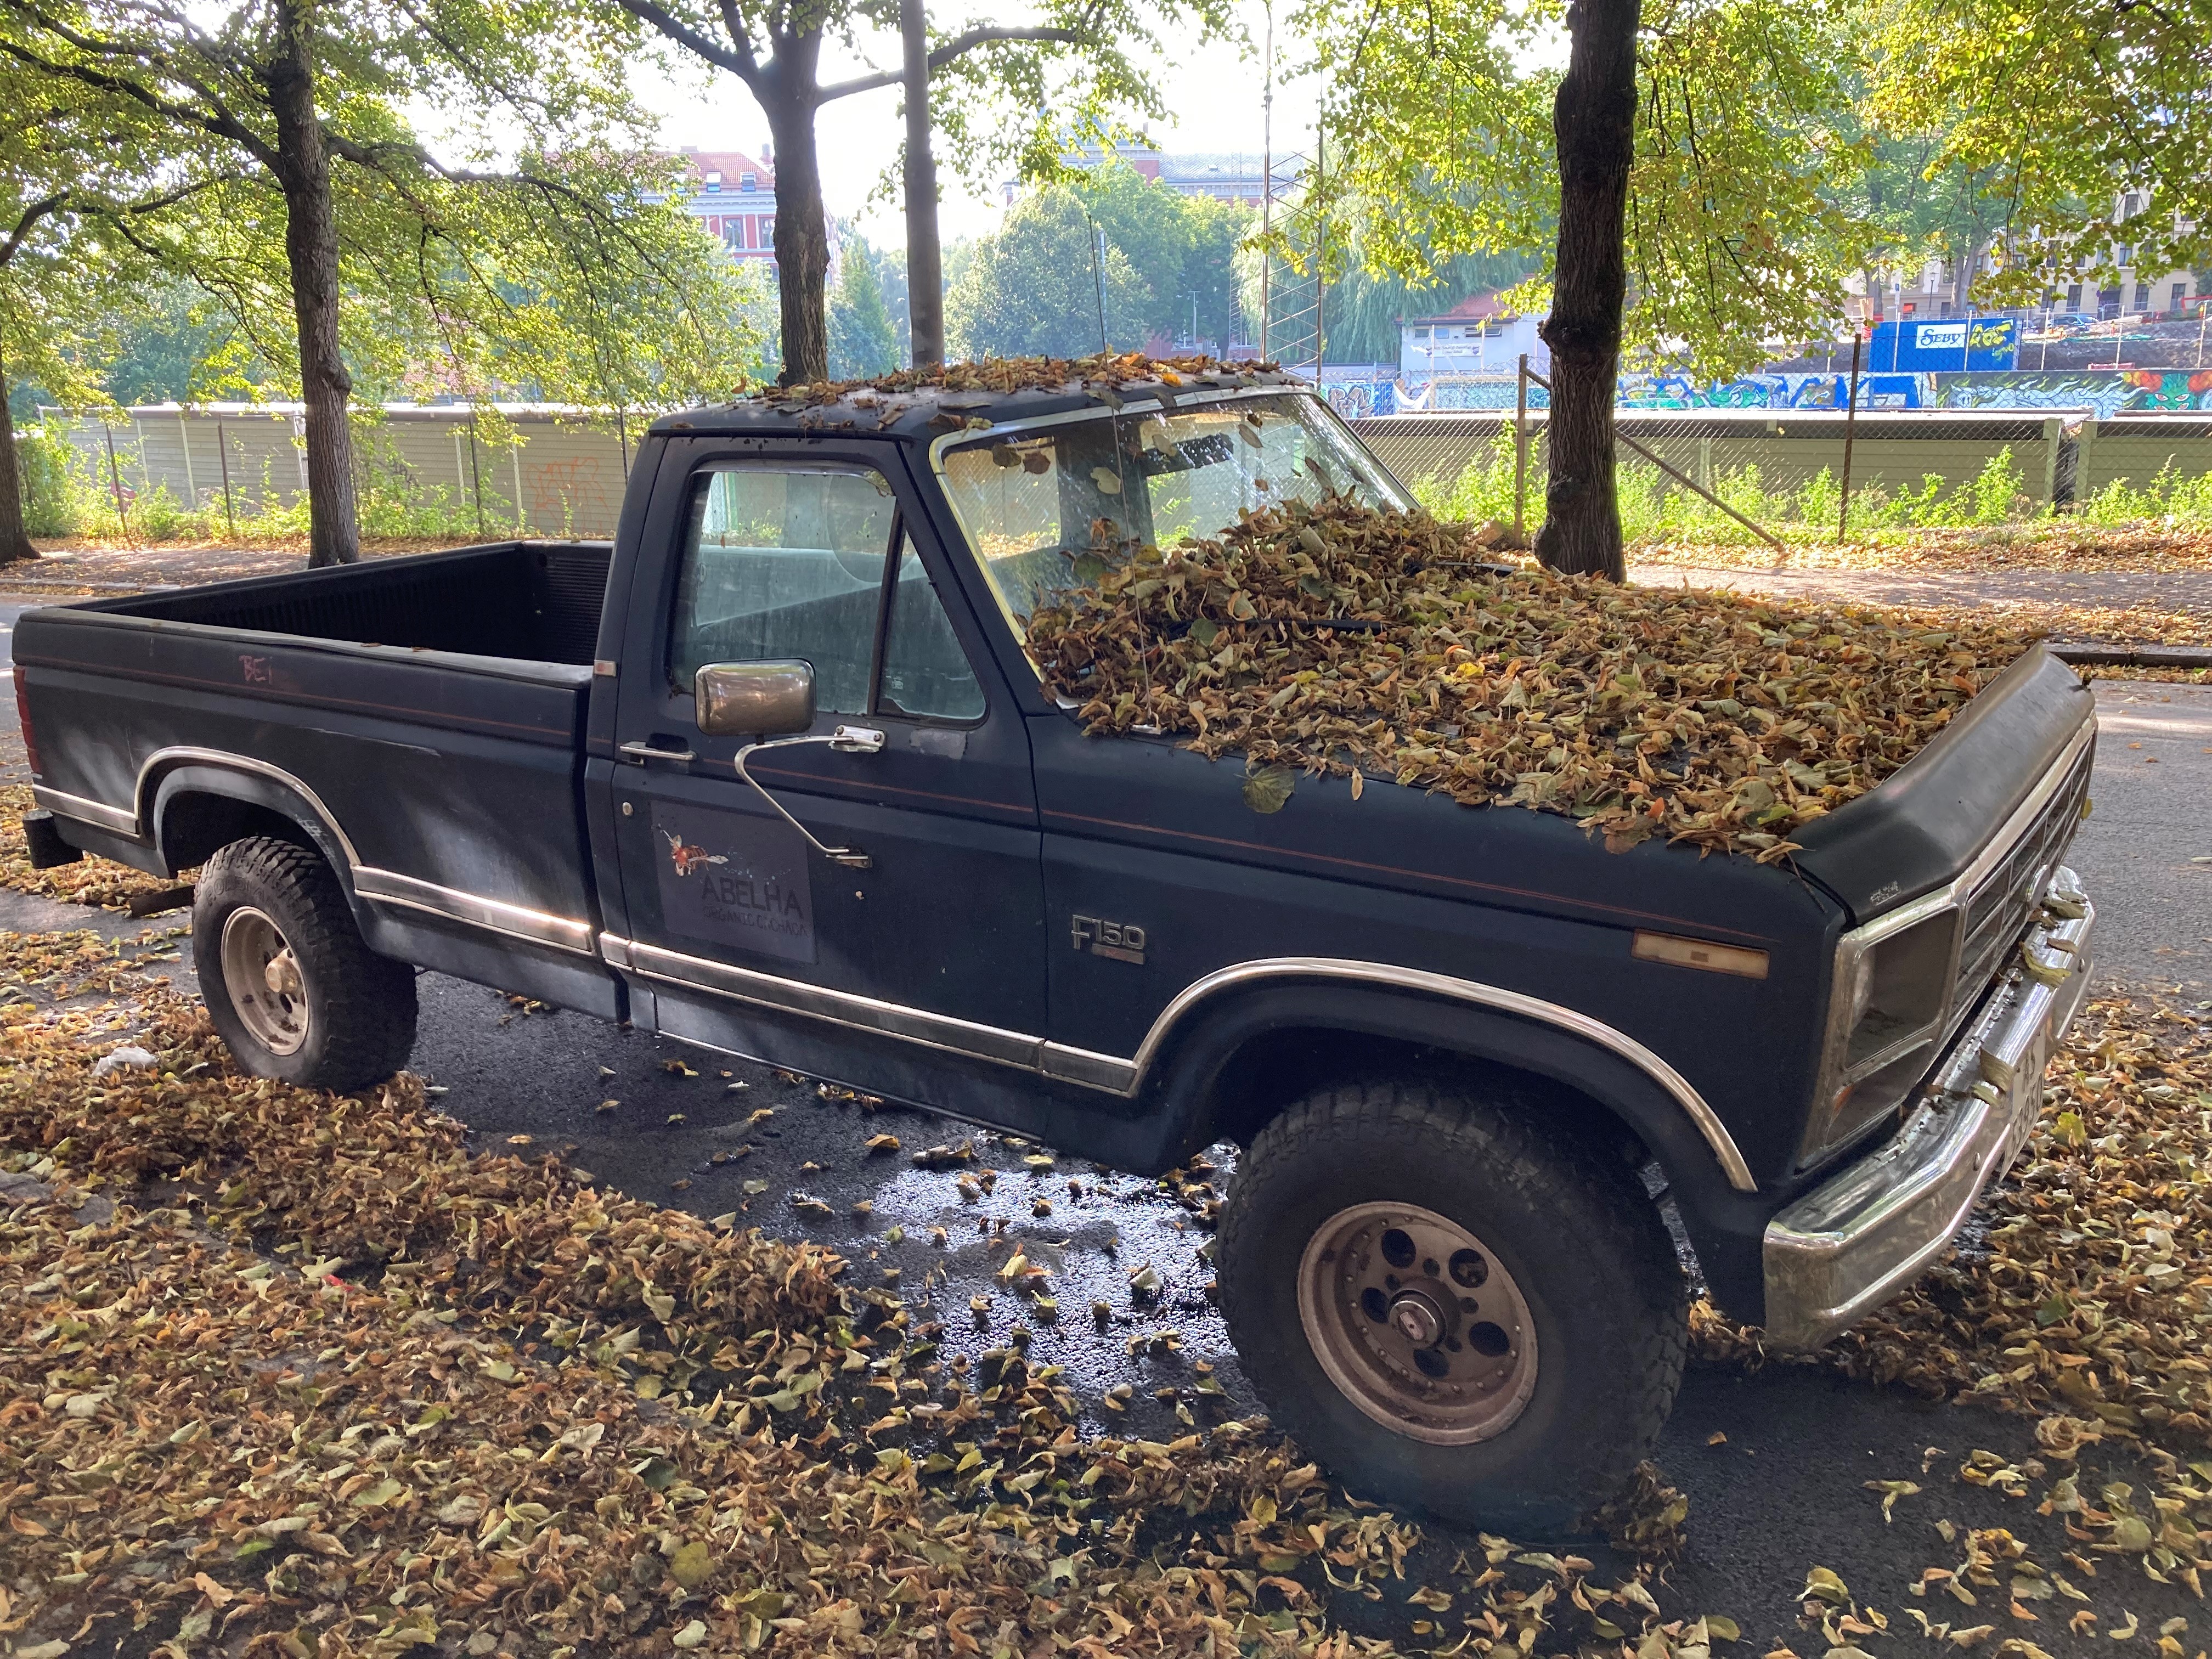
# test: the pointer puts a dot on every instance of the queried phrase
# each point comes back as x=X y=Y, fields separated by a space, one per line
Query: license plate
x=2026 y=1098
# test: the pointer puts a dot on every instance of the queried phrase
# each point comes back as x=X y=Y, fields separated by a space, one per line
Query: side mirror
x=762 y=699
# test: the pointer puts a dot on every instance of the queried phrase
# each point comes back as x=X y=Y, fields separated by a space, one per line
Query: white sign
x=1943 y=336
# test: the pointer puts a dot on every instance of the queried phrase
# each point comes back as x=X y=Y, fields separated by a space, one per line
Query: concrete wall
x=565 y=476
x=1894 y=449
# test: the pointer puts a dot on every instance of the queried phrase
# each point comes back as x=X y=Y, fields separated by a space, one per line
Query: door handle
x=846 y=740
x=638 y=753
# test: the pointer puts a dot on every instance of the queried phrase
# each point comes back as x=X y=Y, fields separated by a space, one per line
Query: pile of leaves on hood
x=1106 y=375
x=282 y=1373
x=88 y=881
x=1338 y=639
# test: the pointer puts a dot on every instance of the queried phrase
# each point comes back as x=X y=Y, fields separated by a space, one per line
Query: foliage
x=1030 y=291
x=1656 y=508
x=1703 y=718
x=42 y=463
x=562 y=268
x=1181 y=250
x=862 y=340
x=2064 y=106
x=1441 y=146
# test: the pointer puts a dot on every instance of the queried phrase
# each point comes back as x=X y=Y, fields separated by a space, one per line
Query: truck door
x=919 y=976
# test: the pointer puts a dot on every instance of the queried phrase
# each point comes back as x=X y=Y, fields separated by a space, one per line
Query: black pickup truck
x=773 y=775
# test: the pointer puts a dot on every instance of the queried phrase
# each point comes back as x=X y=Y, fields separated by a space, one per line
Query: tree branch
x=739 y=63
x=957 y=48
x=32 y=214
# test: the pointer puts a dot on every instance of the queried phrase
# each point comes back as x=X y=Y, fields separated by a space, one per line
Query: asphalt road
x=1783 y=1492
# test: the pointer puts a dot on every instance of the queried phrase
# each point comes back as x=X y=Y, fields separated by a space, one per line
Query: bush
x=50 y=506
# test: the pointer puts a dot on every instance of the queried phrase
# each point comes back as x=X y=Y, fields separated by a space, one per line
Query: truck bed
x=532 y=601
x=429 y=710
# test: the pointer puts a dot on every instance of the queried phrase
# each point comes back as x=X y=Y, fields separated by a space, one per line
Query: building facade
x=1477 y=335
x=733 y=198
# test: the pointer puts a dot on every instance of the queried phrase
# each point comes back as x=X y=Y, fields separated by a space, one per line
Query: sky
x=1215 y=91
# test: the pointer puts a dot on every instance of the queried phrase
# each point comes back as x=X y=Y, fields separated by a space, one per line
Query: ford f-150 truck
x=773 y=774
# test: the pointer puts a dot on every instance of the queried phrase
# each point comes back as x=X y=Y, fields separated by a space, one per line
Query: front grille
x=1999 y=908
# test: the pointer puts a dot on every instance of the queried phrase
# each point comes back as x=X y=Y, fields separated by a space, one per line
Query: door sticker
x=733 y=879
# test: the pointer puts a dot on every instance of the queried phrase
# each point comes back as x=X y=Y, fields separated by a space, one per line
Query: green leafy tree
x=80 y=183
x=299 y=105
x=1031 y=290
x=2059 y=108
x=1686 y=153
x=862 y=341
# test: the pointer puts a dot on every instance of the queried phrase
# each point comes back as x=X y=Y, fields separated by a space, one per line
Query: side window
x=925 y=671
x=785 y=562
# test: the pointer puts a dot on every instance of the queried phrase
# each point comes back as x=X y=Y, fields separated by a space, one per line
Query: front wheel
x=1450 y=1303
x=292 y=989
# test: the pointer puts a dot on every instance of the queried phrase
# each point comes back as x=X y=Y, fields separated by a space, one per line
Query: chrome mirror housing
x=761 y=699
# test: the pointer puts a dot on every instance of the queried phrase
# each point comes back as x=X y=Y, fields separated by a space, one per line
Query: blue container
x=1934 y=345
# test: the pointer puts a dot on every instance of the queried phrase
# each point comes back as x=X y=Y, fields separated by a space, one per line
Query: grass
x=1654 y=507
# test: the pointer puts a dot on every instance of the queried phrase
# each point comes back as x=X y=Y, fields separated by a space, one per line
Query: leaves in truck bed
x=1335 y=639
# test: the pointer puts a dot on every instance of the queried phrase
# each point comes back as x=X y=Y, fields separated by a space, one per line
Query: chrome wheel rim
x=1417 y=1323
x=262 y=977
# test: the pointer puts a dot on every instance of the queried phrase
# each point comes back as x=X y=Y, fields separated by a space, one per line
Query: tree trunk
x=925 y=257
x=1594 y=125
x=311 y=249
x=802 y=228
x=15 y=541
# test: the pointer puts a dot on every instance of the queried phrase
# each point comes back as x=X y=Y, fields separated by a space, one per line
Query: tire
x=1541 y=1390
x=291 y=989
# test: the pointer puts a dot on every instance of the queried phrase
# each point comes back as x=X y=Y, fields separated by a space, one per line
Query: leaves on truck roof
x=1337 y=639
x=1103 y=375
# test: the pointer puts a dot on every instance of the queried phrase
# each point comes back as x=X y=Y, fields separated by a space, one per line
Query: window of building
x=749 y=181
x=2180 y=295
x=2142 y=296
x=2074 y=297
x=1420 y=333
x=714 y=182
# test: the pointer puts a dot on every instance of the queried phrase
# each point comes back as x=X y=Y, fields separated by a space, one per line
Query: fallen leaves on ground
x=88 y=881
x=2055 y=545
x=1338 y=639
x=2083 y=1296
x=2087 y=1290
x=297 y=1375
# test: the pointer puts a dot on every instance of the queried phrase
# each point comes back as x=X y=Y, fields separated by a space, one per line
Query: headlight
x=1892 y=989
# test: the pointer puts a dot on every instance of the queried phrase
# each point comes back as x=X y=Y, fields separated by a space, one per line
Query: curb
x=2092 y=654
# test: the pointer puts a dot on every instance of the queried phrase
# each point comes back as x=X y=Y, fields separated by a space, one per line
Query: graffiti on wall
x=2104 y=392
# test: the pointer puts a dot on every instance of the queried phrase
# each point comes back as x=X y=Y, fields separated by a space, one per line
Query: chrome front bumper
x=1860 y=1236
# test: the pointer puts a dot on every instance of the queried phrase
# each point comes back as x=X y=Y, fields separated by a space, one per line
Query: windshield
x=1033 y=500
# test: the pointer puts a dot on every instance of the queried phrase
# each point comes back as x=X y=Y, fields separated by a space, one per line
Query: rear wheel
x=1450 y=1303
x=292 y=989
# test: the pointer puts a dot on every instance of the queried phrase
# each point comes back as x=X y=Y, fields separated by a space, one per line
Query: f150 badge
x=1122 y=941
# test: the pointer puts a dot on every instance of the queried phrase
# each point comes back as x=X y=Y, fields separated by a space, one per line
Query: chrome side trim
x=184 y=754
x=85 y=808
x=1692 y=1104
x=1089 y=1068
x=1065 y=1063
x=409 y=892
x=846 y=1008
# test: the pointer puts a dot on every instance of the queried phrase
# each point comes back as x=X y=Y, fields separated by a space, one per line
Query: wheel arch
x=193 y=803
x=1226 y=1052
